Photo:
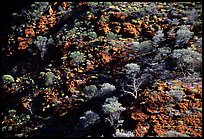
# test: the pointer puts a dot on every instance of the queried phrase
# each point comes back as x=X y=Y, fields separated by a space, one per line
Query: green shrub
x=188 y=60
x=49 y=77
x=77 y=57
x=7 y=79
x=112 y=105
x=132 y=69
x=90 y=91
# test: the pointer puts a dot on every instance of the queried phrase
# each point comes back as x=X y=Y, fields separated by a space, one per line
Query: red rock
x=22 y=45
x=119 y=15
x=139 y=116
x=141 y=130
x=158 y=130
x=199 y=115
x=191 y=97
x=198 y=95
x=181 y=106
x=103 y=28
x=129 y=30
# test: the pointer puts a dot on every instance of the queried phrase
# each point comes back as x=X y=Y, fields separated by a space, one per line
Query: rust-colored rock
x=138 y=27
x=181 y=106
x=197 y=105
x=144 y=25
x=82 y=3
x=160 y=118
x=199 y=115
x=162 y=121
x=129 y=30
x=115 y=27
x=191 y=97
x=29 y=32
x=64 y=5
x=103 y=28
x=141 y=130
x=198 y=95
x=119 y=15
x=23 y=44
x=158 y=130
x=150 y=110
x=139 y=116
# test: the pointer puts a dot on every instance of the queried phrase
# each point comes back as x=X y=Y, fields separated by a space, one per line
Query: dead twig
x=136 y=85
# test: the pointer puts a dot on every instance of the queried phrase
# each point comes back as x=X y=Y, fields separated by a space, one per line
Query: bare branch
x=134 y=83
x=128 y=92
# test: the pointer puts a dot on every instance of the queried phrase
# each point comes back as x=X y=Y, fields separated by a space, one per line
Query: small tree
x=132 y=72
x=113 y=109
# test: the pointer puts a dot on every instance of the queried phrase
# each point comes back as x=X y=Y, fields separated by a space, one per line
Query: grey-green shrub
x=188 y=60
x=49 y=77
x=112 y=105
x=77 y=57
x=112 y=110
x=90 y=91
x=183 y=35
x=92 y=35
x=198 y=43
x=111 y=35
x=145 y=47
x=42 y=44
x=173 y=133
x=7 y=79
x=89 y=119
x=192 y=15
x=123 y=133
x=106 y=88
x=175 y=22
x=159 y=37
x=132 y=69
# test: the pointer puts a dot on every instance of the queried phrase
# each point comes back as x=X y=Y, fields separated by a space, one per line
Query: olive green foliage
x=112 y=105
x=145 y=46
x=92 y=35
x=7 y=79
x=90 y=91
x=111 y=35
x=183 y=35
x=188 y=60
x=132 y=69
x=49 y=77
x=77 y=57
